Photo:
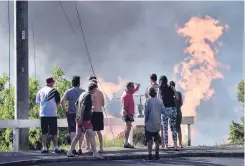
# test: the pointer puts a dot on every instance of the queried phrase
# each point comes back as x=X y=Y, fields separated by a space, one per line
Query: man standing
x=127 y=101
x=153 y=110
x=71 y=95
x=83 y=121
x=86 y=140
x=49 y=98
x=97 y=114
x=178 y=104
x=154 y=84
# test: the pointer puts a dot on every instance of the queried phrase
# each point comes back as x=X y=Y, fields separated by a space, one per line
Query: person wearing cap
x=168 y=94
x=153 y=110
x=128 y=111
x=49 y=98
x=97 y=118
x=83 y=121
x=178 y=104
x=71 y=95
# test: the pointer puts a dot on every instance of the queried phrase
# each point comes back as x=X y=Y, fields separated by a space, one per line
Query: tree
x=237 y=129
x=240 y=93
x=7 y=109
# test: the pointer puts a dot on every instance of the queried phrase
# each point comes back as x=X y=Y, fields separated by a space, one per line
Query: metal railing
x=113 y=122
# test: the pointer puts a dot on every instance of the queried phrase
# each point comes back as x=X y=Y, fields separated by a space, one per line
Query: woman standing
x=168 y=95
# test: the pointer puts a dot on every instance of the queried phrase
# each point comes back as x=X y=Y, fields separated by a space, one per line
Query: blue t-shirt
x=72 y=96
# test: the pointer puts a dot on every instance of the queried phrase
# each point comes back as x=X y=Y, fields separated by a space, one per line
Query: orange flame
x=111 y=88
x=200 y=68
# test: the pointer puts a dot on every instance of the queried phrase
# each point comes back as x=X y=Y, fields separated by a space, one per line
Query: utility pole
x=21 y=136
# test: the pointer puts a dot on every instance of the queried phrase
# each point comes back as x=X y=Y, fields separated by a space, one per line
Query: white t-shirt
x=48 y=98
x=156 y=86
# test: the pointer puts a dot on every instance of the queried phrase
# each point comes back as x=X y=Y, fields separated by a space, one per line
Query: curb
x=123 y=157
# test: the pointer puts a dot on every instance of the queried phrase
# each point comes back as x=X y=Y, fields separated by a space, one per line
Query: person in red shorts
x=127 y=101
x=83 y=121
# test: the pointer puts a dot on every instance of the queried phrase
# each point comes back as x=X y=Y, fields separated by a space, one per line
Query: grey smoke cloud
x=131 y=40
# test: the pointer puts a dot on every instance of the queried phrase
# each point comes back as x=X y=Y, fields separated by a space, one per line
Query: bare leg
x=100 y=140
x=157 y=149
x=87 y=141
x=180 y=138
x=150 y=143
x=127 y=131
x=91 y=135
x=162 y=139
x=79 y=134
x=44 y=141
x=55 y=141
x=80 y=142
x=72 y=135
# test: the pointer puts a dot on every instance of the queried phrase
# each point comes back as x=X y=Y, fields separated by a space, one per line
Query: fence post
x=189 y=135
x=16 y=140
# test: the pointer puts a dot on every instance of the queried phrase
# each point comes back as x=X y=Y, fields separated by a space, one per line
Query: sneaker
x=97 y=156
x=156 y=157
x=80 y=152
x=58 y=150
x=70 y=154
x=128 y=146
x=44 y=151
x=148 y=158
x=75 y=152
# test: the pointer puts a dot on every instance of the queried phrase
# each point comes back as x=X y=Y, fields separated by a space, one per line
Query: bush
x=237 y=132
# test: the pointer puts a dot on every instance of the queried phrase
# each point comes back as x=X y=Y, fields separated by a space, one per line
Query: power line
x=67 y=18
x=88 y=54
x=9 y=56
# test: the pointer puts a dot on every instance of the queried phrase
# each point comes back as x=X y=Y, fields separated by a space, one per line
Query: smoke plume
x=199 y=68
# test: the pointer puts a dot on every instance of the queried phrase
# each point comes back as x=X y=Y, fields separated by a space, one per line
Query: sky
x=128 y=41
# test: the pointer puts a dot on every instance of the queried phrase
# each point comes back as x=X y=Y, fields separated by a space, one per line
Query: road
x=192 y=161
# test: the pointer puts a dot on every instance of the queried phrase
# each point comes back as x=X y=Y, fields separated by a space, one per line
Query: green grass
x=118 y=142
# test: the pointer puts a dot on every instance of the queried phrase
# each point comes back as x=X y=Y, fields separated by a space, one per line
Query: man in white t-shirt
x=49 y=98
x=154 y=84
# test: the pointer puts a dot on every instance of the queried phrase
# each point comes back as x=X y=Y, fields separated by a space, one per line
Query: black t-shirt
x=86 y=100
x=168 y=96
x=88 y=107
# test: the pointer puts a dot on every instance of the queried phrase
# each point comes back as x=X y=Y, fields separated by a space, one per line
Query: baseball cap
x=50 y=80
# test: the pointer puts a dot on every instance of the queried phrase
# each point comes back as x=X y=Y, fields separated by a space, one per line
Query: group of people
x=162 y=106
x=85 y=114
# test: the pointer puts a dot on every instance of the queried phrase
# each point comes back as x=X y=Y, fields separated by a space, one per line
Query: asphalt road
x=192 y=161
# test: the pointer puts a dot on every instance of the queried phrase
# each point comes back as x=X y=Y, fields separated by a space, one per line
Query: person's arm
x=181 y=99
x=146 y=93
x=146 y=110
x=103 y=99
x=38 y=99
x=137 y=87
x=57 y=97
x=159 y=93
x=125 y=103
x=175 y=93
x=63 y=100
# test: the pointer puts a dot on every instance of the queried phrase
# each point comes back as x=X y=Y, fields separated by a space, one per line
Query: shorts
x=97 y=120
x=71 y=120
x=49 y=125
x=127 y=119
x=85 y=125
x=155 y=135
x=178 y=121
